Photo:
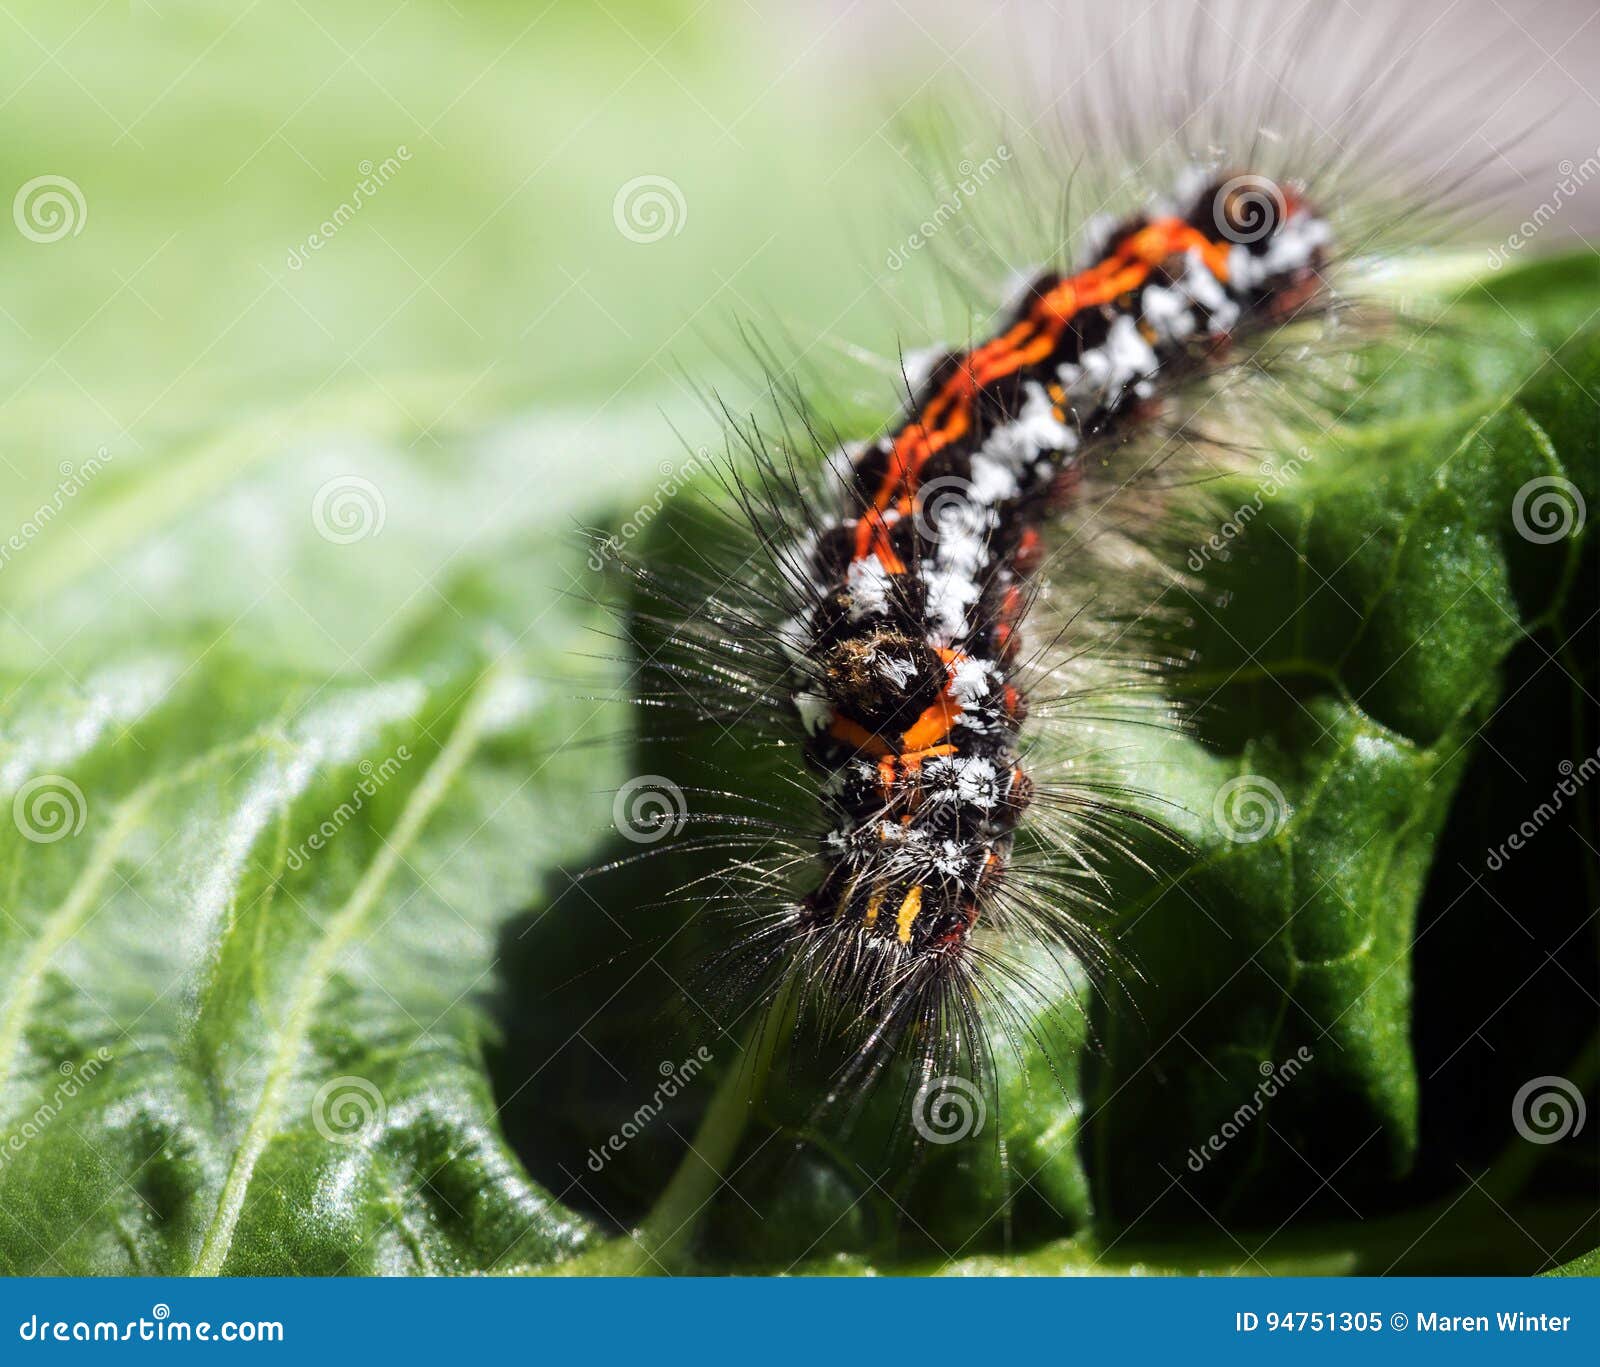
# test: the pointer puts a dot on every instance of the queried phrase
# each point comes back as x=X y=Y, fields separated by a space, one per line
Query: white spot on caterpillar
x=951 y=860
x=949 y=596
x=1291 y=247
x=955 y=515
x=868 y=584
x=815 y=711
x=1205 y=289
x=962 y=551
x=970 y=680
x=966 y=779
x=1167 y=311
x=992 y=482
x=1243 y=272
x=1109 y=369
x=1036 y=428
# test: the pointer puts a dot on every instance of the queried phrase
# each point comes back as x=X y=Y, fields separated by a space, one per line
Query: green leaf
x=253 y=907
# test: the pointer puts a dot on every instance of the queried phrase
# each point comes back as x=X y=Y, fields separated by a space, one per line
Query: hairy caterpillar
x=873 y=617
x=905 y=651
x=907 y=656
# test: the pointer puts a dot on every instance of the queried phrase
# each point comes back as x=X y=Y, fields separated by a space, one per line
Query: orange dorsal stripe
x=947 y=416
x=932 y=726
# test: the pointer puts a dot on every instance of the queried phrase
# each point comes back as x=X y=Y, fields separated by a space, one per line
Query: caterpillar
x=901 y=579
x=873 y=614
x=905 y=651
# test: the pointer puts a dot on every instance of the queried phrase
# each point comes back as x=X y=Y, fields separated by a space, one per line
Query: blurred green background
x=210 y=140
x=483 y=286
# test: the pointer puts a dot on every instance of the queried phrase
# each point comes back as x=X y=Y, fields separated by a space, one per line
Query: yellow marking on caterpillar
x=908 y=913
x=875 y=903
